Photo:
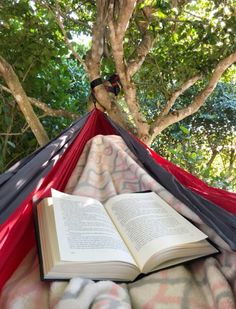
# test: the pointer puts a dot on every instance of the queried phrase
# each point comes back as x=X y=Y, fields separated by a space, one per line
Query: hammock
x=32 y=178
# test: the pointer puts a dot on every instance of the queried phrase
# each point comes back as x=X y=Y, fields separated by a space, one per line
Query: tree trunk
x=231 y=163
x=109 y=29
x=21 y=98
x=212 y=158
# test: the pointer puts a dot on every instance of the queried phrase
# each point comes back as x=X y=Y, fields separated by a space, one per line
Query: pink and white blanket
x=106 y=168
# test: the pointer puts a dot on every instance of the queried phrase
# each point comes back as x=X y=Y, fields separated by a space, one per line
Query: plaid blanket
x=106 y=168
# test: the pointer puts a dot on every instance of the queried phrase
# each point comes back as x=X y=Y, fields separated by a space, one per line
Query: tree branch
x=27 y=71
x=116 y=40
x=146 y=43
x=117 y=32
x=141 y=51
x=43 y=106
x=53 y=112
x=126 y=11
x=4 y=148
x=231 y=162
x=212 y=158
x=67 y=41
x=10 y=134
x=21 y=98
x=58 y=16
x=94 y=56
x=199 y=100
x=174 y=96
x=68 y=15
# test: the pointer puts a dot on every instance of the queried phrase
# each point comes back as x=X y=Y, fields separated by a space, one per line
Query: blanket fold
x=106 y=168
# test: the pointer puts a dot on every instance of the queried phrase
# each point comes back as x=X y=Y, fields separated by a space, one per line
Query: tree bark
x=212 y=158
x=21 y=98
x=8 y=131
x=117 y=28
x=94 y=56
x=44 y=107
x=231 y=162
x=113 y=17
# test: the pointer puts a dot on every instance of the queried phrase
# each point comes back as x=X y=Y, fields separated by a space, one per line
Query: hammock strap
x=115 y=88
x=96 y=82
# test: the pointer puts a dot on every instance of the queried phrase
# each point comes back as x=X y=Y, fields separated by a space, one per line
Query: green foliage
x=192 y=143
x=15 y=140
x=189 y=40
x=31 y=41
x=28 y=37
x=63 y=85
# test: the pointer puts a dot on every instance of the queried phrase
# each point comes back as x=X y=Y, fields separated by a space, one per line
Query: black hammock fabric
x=25 y=174
x=33 y=167
x=223 y=222
x=19 y=184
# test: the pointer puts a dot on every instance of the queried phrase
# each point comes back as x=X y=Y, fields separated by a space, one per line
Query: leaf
x=69 y=35
x=173 y=151
x=11 y=144
x=175 y=37
x=160 y=14
x=193 y=156
x=184 y=129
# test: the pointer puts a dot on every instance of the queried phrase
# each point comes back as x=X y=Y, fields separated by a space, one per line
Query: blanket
x=106 y=168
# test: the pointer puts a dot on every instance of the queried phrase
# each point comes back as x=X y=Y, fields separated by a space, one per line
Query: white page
x=148 y=224
x=85 y=232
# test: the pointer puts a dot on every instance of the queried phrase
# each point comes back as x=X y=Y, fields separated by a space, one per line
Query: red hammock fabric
x=222 y=198
x=17 y=232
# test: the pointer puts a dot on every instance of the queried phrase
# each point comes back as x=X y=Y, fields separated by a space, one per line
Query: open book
x=130 y=234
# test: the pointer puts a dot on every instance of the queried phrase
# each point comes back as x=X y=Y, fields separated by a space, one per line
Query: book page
x=149 y=225
x=85 y=231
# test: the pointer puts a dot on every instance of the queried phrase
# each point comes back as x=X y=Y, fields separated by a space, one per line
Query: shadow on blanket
x=106 y=168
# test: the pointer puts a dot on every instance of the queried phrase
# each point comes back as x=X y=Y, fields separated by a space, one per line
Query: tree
x=131 y=32
x=159 y=49
x=205 y=143
x=23 y=101
x=32 y=48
